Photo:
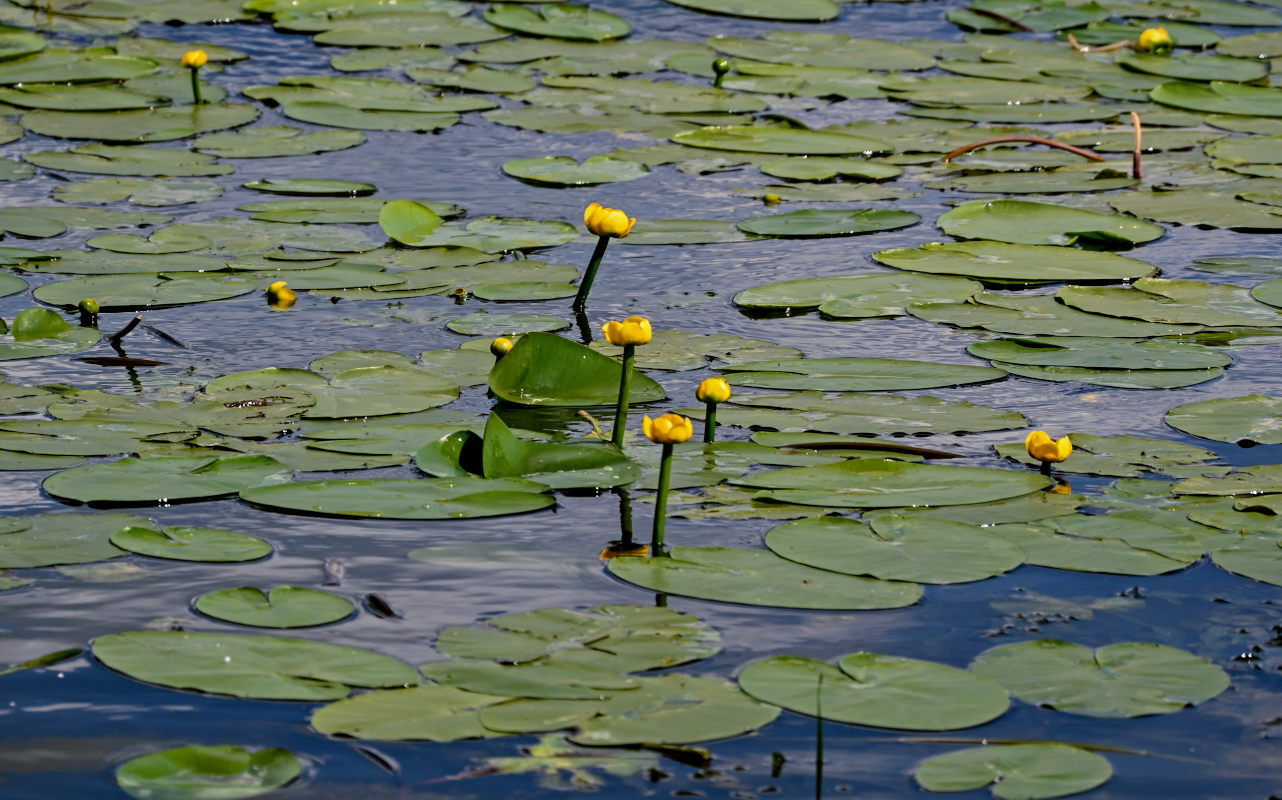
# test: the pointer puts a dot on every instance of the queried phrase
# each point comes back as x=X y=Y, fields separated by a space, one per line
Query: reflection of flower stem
x=585 y=286
x=195 y=86
x=710 y=423
x=625 y=516
x=625 y=387
x=661 y=501
x=585 y=330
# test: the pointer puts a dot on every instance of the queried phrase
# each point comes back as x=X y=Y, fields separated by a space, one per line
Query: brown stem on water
x=1136 y=172
x=983 y=12
x=1034 y=139
x=1105 y=48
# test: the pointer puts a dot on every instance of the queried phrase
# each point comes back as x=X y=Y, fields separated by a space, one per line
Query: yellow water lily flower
x=609 y=222
x=279 y=295
x=713 y=390
x=633 y=331
x=1155 y=40
x=500 y=346
x=195 y=59
x=668 y=429
x=1045 y=449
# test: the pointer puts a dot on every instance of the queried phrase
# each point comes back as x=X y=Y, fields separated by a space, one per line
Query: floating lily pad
x=829 y=222
x=51 y=539
x=1023 y=222
x=1099 y=353
x=612 y=639
x=1253 y=419
x=680 y=350
x=923 y=551
x=1221 y=97
x=875 y=414
x=802 y=11
x=855 y=374
x=781 y=140
x=483 y=323
x=312 y=186
x=1133 y=679
x=1016 y=771
x=1040 y=182
x=77 y=97
x=473 y=79
x=401 y=29
x=1015 y=262
x=138 y=191
x=877 y=690
x=217 y=772
x=182 y=543
x=557 y=465
x=39 y=332
x=1216 y=209
x=685 y=231
x=103 y=159
x=1258 y=558
x=261 y=667
x=138 y=292
x=64 y=65
x=759 y=578
x=340 y=115
x=1175 y=302
x=424 y=713
x=870 y=483
x=274 y=141
x=559 y=21
x=164 y=479
x=392 y=498
x=283 y=607
x=547 y=370
x=853 y=296
x=152 y=125
x=565 y=171
x=493 y=234
x=1037 y=315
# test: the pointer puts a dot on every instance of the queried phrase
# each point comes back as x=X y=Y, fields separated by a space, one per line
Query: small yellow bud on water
x=500 y=346
x=713 y=390
x=1156 y=41
x=195 y=59
x=280 y=296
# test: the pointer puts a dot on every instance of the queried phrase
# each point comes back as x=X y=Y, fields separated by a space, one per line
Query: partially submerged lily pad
x=224 y=772
x=1016 y=771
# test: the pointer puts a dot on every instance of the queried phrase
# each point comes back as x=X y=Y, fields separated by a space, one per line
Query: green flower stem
x=716 y=82
x=195 y=86
x=661 y=501
x=625 y=391
x=710 y=422
x=585 y=286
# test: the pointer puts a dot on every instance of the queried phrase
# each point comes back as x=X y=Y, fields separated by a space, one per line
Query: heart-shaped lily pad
x=164 y=479
x=1253 y=419
x=1023 y=222
x=1016 y=771
x=1015 y=262
x=829 y=222
x=183 y=543
x=565 y=171
x=856 y=374
x=51 y=539
x=282 y=607
x=394 y=498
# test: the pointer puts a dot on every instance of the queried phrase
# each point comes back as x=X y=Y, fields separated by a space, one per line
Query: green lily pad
x=164 y=479
x=870 y=483
x=922 y=551
x=160 y=242
x=871 y=414
x=1253 y=419
x=1216 y=209
x=483 y=323
x=565 y=171
x=1041 y=182
x=423 y=713
x=1037 y=315
x=473 y=79
x=801 y=11
x=1015 y=262
x=103 y=159
x=261 y=667
x=1174 y=302
x=340 y=115
x=77 y=97
x=63 y=65
x=557 y=465
x=401 y=29
x=1016 y=771
x=538 y=679
x=781 y=140
x=680 y=350
x=1264 y=479
x=207 y=772
x=1258 y=558
x=392 y=498
x=51 y=539
x=829 y=222
x=1221 y=97
x=39 y=332
x=139 y=292
x=877 y=690
x=312 y=186
x=547 y=370
x=853 y=296
x=1099 y=353
x=759 y=578
x=855 y=374
x=1023 y=222
x=183 y=543
x=1190 y=67
x=161 y=124
x=1133 y=679
x=283 y=607
x=274 y=141
x=559 y=21
x=671 y=710
x=685 y=231
x=138 y=191
x=610 y=639
x=492 y=234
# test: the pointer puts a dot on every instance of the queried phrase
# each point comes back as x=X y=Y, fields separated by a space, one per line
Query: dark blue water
x=64 y=729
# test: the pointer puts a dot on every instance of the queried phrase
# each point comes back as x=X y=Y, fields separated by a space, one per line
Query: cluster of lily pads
x=1052 y=287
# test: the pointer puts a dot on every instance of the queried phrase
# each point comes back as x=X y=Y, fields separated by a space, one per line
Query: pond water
x=65 y=728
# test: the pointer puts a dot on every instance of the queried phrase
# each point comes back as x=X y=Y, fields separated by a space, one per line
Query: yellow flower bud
x=500 y=346
x=607 y=221
x=668 y=429
x=279 y=295
x=1156 y=41
x=771 y=199
x=195 y=59
x=1042 y=447
x=633 y=330
x=713 y=390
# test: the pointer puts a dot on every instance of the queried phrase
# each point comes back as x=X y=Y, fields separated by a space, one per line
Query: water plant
x=280 y=296
x=1042 y=447
x=605 y=224
x=711 y=391
x=627 y=334
x=667 y=430
x=193 y=60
